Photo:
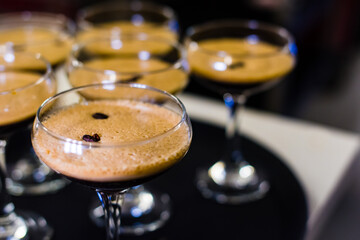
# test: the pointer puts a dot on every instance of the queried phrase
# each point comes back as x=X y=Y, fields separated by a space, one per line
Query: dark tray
x=282 y=214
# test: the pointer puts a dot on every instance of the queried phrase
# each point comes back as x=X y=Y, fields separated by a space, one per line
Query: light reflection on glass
x=72 y=148
x=219 y=66
x=109 y=86
x=144 y=55
x=146 y=202
x=246 y=171
x=193 y=46
x=136 y=212
x=228 y=60
x=253 y=39
x=8 y=50
x=110 y=78
x=20 y=232
x=217 y=172
x=116 y=44
x=9 y=57
x=137 y=19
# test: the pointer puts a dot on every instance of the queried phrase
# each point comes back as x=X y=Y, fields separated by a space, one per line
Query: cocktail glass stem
x=232 y=180
x=4 y=196
x=26 y=175
x=11 y=226
x=143 y=210
x=233 y=149
x=111 y=203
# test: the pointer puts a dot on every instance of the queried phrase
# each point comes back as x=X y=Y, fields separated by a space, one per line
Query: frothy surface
x=13 y=80
x=254 y=61
x=128 y=121
x=19 y=104
x=126 y=27
x=52 y=45
x=167 y=78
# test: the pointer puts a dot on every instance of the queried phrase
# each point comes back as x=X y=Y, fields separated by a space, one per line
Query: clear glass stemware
x=127 y=17
x=145 y=209
x=140 y=59
x=122 y=135
x=237 y=58
x=48 y=34
x=22 y=90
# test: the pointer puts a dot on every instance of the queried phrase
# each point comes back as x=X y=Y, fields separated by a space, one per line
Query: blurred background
x=322 y=89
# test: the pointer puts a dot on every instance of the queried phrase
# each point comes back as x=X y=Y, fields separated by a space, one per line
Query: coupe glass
x=47 y=34
x=122 y=135
x=127 y=17
x=38 y=32
x=22 y=90
x=237 y=59
x=132 y=58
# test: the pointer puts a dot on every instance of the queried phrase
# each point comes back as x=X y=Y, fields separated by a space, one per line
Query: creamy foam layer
x=167 y=78
x=116 y=28
x=252 y=61
x=128 y=121
x=19 y=104
x=51 y=44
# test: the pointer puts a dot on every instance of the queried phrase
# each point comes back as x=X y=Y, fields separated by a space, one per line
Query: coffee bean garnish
x=19 y=47
x=236 y=65
x=131 y=80
x=93 y=138
x=100 y=116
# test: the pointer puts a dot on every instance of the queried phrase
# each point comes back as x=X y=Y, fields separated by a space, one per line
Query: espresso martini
x=21 y=94
x=234 y=65
x=152 y=72
x=133 y=141
x=52 y=44
x=117 y=28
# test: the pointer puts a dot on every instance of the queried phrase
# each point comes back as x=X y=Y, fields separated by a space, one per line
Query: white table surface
x=319 y=156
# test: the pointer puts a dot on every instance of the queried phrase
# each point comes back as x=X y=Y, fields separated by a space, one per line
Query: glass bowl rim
x=97 y=8
x=34 y=19
x=251 y=24
x=184 y=118
x=178 y=64
x=47 y=75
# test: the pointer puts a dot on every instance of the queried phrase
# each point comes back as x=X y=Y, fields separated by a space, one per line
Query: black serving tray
x=282 y=214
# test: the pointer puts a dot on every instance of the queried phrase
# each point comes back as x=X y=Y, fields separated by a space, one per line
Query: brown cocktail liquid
x=52 y=44
x=152 y=72
x=235 y=65
x=21 y=94
x=118 y=28
x=134 y=142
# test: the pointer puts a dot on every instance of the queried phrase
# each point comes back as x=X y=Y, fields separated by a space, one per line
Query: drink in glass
x=237 y=59
x=127 y=17
x=140 y=59
x=22 y=90
x=111 y=137
x=47 y=34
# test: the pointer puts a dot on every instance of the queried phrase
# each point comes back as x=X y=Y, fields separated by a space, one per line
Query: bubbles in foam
x=128 y=121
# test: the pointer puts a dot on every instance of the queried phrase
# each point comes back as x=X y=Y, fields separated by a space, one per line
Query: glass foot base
x=26 y=175
x=18 y=188
x=142 y=211
x=226 y=187
x=25 y=226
